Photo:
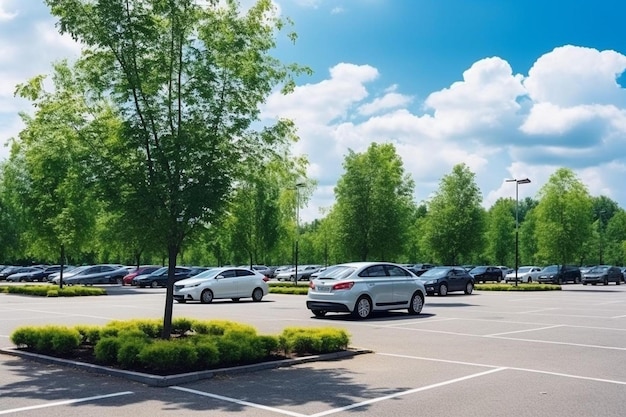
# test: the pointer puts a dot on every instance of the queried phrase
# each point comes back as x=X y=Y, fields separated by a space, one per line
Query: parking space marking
x=411 y=391
x=56 y=404
x=523 y=331
x=537 y=371
x=551 y=342
x=537 y=311
x=240 y=402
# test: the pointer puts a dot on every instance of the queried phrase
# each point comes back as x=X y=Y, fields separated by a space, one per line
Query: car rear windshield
x=336 y=272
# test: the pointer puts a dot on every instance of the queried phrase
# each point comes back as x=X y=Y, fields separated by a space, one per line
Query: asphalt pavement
x=557 y=353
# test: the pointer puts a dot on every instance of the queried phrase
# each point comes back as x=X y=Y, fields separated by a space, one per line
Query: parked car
x=360 y=288
x=526 y=274
x=12 y=269
x=262 y=269
x=602 y=274
x=218 y=283
x=55 y=277
x=285 y=274
x=623 y=273
x=443 y=279
x=98 y=274
x=558 y=274
x=158 y=278
x=142 y=270
x=27 y=274
x=418 y=269
x=486 y=273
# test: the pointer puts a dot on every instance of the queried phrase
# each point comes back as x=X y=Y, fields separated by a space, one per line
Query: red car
x=144 y=269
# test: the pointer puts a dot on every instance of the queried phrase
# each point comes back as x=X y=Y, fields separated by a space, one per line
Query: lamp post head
x=521 y=181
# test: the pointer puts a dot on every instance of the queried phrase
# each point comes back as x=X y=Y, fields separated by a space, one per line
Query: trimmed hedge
x=195 y=344
x=519 y=287
x=51 y=290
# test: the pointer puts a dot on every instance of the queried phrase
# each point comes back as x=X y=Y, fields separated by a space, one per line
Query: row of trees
x=149 y=148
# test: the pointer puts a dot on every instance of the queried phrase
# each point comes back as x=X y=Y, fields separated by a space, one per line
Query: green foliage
x=302 y=340
x=126 y=344
x=169 y=356
x=500 y=233
x=455 y=224
x=182 y=325
x=292 y=289
x=519 y=287
x=374 y=200
x=563 y=218
x=47 y=291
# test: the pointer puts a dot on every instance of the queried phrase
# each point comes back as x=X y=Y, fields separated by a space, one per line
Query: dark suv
x=558 y=274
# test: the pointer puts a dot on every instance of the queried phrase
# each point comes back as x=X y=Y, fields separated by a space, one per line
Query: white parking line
x=522 y=331
x=411 y=391
x=551 y=342
x=240 y=402
x=79 y=400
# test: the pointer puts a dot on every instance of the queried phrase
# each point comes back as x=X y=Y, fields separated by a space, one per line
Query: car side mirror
x=219 y=277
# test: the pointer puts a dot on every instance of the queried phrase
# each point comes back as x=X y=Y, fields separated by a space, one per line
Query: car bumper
x=328 y=306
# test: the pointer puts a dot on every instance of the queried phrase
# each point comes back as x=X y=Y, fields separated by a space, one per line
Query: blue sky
x=512 y=88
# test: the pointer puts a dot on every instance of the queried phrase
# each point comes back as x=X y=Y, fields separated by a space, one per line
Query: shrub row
x=289 y=289
x=519 y=287
x=51 y=290
x=195 y=344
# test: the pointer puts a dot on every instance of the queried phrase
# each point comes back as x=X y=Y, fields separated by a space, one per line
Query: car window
x=396 y=271
x=374 y=271
x=336 y=272
x=244 y=273
x=228 y=273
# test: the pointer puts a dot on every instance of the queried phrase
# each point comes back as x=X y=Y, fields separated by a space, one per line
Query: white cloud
x=388 y=101
x=5 y=15
x=571 y=75
x=337 y=10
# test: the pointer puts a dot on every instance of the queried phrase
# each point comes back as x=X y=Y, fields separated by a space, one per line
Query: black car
x=486 y=273
x=159 y=277
x=558 y=274
x=418 y=269
x=602 y=274
x=11 y=270
x=98 y=274
x=443 y=279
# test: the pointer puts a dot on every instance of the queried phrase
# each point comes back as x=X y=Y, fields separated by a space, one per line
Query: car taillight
x=266 y=279
x=343 y=286
x=311 y=285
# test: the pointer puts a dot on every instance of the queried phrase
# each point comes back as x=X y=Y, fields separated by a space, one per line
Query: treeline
x=374 y=218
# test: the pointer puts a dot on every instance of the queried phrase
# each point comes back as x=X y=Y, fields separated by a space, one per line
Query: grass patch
x=519 y=287
x=198 y=345
x=52 y=290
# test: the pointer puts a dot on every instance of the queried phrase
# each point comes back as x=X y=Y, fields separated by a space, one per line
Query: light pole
x=299 y=185
x=517 y=183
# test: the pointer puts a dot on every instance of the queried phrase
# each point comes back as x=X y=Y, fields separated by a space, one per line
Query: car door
x=225 y=284
x=246 y=282
x=455 y=280
x=403 y=284
x=378 y=285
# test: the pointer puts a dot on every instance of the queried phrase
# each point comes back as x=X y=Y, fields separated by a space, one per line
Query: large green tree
x=500 y=232
x=374 y=199
x=186 y=79
x=455 y=223
x=563 y=219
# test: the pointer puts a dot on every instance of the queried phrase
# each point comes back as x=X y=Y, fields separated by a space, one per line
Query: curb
x=169 y=380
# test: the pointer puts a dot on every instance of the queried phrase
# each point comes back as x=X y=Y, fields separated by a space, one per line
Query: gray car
x=98 y=274
x=361 y=288
x=602 y=274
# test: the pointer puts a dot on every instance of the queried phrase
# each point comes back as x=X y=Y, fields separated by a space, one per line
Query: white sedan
x=524 y=274
x=216 y=283
x=363 y=287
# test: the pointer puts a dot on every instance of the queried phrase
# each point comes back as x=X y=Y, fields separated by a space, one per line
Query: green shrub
x=64 y=340
x=182 y=325
x=268 y=343
x=89 y=334
x=52 y=293
x=302 y=340
x=25 y=337
x=129 y=349
x=220 y=327
x=229 y=350
x=297 y=290
x=106 y=349
x=169 y=355
x=207 y=350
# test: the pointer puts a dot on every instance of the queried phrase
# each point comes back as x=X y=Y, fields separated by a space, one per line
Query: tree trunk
x=172 y=252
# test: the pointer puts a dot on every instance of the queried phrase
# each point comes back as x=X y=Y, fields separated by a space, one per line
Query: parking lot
x=558 y=353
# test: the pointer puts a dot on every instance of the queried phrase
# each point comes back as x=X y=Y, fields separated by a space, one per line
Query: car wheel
x=362 y=308
x=236 y=300
x=22 y=279
x=443 y=290
x=154 y=284
x=120 y=281
x=469 y=288
x=257 y=294
x=319 y=313
x=606 y=281
x=417 y=303
x=559 y=281
x=584 y=283
x=206 y=297
x=618 y=282
x=577 y=280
